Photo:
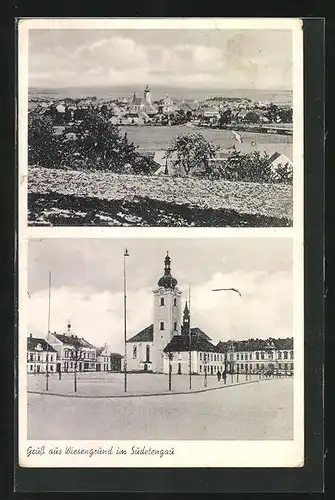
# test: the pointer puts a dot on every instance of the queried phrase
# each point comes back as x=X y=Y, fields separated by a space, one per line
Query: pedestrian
x=224 y=377
x=218 y=374
x=59 y=374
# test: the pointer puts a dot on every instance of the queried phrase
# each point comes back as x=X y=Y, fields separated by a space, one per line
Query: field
x=155 y=138
x=68 y=197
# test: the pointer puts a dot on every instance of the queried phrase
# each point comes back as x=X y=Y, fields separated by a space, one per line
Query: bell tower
x=167 y=314
x=147 y=95
x=186 y=320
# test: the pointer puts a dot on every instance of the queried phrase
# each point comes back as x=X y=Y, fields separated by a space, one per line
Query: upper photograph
x=160 y=127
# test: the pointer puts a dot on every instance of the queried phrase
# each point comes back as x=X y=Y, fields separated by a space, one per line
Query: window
x=279 y=355
x=257 y=355
x=161 y=325
x=175 y=325
x=291 y=354
x=211 y=357
x=242 y=356
x=257 y=366
x=237 y=366
x=285 y=355
x=147 y=353
x=38 y=357
x=214 y=357
x=285 y=366
x=134 y=352
x=237 y=356
x=270 y=355
x=31 y=357
x=250 y=356
x=200 y=356
x=174 y=302
x=262 y=355
x=250 y=366
x=51 y=368
x=200 y=368
x=162 y=301
x=279 y=366
x=291 y=366
x=262 y=366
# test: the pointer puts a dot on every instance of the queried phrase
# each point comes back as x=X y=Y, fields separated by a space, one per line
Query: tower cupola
x=167 y=280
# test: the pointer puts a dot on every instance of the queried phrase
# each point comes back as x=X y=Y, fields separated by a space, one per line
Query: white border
x=187 y=453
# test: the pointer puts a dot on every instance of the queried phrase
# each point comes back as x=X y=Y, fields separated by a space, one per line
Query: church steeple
x=186 y=320
x=167 y=281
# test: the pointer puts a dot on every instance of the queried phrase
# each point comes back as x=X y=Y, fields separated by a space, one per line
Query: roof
x=199 y=333
x=180 y=343
x=73 y=340
x=33 y=342
x=277 y=155
x=256 y=344
x=145 y=335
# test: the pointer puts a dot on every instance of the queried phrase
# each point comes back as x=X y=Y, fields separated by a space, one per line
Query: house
x=259 y=355
x=103 y=359
x=41 y=356
x=277 y=159
x=73 y=352
x=117 y=364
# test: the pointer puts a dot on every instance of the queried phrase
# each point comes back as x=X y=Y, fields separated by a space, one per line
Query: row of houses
x=67 y=352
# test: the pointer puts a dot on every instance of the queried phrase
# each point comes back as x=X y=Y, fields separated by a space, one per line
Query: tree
x=169 y=356
x=252 y=117
x=249 y=167
x=192 y=152
x=42 y=144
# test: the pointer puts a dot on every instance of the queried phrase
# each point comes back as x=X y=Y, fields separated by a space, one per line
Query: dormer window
x=162 y=301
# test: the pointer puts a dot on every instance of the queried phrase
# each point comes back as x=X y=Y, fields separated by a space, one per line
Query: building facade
x=73 y=352
x=259 y=355
x=41 y=356
x=103 y=359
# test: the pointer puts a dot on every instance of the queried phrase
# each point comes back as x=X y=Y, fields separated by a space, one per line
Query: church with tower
x=170 y=338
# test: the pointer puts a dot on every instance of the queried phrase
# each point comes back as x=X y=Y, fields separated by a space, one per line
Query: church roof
x=180 y=343
x=145 y=335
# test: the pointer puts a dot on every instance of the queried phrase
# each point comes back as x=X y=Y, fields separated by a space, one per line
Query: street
x=257 y=411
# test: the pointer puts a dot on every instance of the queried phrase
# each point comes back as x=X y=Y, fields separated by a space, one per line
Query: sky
x=227 y=59
x=87 y=285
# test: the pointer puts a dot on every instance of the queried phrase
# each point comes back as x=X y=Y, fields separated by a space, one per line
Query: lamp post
x=126 y=254
x=47 y=361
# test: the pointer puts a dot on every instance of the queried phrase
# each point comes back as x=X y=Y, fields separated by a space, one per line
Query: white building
x=103 y=360
x=41 y=356
x=73 y=352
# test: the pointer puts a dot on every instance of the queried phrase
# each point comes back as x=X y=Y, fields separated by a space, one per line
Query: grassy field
x=154 y=138
x=58 y=197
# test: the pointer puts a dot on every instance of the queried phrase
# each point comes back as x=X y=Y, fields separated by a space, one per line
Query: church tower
x=186 y=320
x=167 y=314
x=147 y=95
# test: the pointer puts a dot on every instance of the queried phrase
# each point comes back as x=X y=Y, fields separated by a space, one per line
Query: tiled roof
x=73 y=340
x=180 y=343
x=256 y=344
x=33 y=342
x=197 y=332
x=146 y=335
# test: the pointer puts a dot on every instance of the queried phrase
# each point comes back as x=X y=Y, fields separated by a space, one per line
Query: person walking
x=218 y=374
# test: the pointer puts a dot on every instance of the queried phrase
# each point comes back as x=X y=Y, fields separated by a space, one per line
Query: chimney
x=31 y=335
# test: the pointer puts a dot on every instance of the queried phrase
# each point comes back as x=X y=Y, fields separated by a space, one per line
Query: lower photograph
x=129 y=347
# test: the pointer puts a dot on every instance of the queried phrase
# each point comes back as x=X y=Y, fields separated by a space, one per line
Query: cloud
x=122 y=60
x=265 y=309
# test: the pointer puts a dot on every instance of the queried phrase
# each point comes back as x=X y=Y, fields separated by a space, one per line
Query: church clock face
x=161 y=290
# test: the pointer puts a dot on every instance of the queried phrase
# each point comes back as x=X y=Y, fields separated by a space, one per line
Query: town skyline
x=209 y=59
x=89 y=290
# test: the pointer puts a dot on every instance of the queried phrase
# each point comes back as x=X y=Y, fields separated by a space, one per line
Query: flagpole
x=49 y=309
x=126 y=254
x=190 y=336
